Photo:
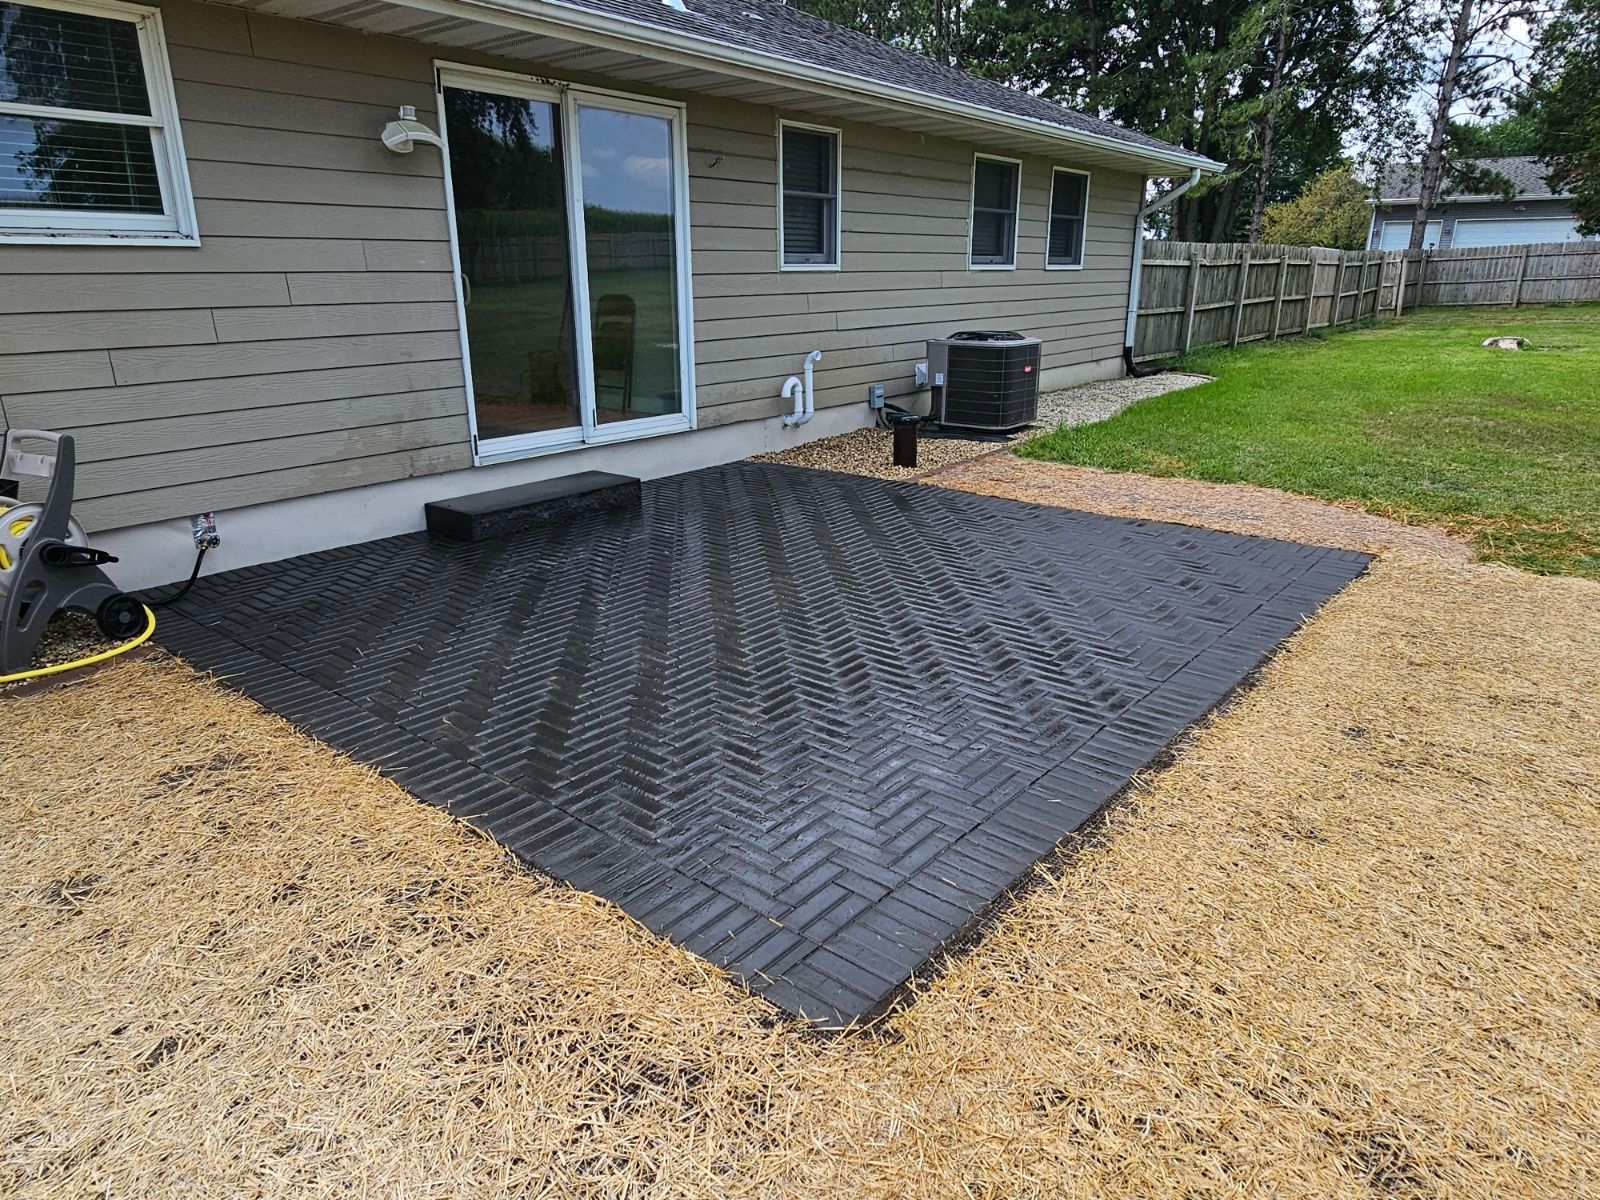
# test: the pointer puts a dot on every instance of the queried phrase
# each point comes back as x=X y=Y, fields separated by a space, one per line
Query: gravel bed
x=1093 y=402
x=867 y=451
x=70 y=635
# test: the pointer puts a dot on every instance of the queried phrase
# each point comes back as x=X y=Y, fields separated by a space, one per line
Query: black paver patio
x=806 y=724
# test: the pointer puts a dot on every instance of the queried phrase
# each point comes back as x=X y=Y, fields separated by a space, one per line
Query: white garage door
x=1514 y=231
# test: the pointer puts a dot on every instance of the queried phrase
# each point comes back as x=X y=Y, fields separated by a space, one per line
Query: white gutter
x=1474 y=199
x=1159 y=202
x=552 y=18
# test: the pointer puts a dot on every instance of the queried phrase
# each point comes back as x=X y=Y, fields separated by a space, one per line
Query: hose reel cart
x=46 y=562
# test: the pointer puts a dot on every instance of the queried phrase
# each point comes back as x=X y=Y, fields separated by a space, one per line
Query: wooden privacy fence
x=1195 y=294
x=1545 y=273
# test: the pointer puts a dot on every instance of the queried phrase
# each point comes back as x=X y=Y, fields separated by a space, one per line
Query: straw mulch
x=1348 y=946
x=1234 y=507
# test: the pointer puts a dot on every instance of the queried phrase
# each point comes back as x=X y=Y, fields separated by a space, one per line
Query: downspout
x=1134 y=280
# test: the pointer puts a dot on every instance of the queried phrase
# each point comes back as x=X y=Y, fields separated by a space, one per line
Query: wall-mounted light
x=402 y=136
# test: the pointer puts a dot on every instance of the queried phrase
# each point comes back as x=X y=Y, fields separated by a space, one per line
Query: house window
x=89 y=144
x=994 y=211
x=808 y=224
x=1069 y=207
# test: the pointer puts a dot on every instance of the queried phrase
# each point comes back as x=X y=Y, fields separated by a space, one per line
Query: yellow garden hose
x=141 y=639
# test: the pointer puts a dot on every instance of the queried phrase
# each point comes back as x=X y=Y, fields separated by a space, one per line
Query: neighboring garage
x=1513 y=231
x=1528 y=212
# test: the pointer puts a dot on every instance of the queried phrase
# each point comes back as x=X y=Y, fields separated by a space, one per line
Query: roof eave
x=554 y=16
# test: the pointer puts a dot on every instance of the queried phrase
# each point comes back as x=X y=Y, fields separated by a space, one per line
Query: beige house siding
x=903 y=276
x=309 y=344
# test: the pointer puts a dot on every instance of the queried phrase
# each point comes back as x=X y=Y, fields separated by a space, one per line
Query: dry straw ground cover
x=1234 y=507
x=1348 y=945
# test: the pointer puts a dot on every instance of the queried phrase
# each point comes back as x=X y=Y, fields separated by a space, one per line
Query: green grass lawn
x=1411 y=419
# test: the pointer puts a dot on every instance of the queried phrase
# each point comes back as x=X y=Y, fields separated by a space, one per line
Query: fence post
x=1238 y=301
x=1188 y=308
x=1338 y=290
x=1282 y=286
x=1400 y=287
x=1422 y=275
x=1312 y=263
x=1522 y=270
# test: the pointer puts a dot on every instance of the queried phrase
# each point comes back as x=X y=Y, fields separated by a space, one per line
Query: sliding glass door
x=568 y=211
x=508 y=184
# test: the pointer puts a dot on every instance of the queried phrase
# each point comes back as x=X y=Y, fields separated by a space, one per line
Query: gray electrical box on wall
x=875 y=395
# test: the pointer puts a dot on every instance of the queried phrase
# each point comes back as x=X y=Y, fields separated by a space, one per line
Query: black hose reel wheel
x=120 y=617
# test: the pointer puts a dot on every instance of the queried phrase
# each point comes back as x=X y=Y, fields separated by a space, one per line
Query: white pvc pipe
x=811 y=395
x=793 y=388
x=804 y=394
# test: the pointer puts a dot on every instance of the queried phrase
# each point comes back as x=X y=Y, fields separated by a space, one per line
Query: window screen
x=102 y=157
x=994 y=213
x=810 y=197
x=1069 y=194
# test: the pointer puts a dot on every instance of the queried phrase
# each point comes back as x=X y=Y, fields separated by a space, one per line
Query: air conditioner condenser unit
x=990 y=380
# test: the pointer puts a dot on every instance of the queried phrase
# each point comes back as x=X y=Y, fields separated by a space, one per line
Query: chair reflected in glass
x=615 y=322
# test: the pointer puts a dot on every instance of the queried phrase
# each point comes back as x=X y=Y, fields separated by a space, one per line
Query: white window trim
x=838 y=197
x=1050 y=216
x=175 y=225
x=568 y=97
x=1436 y=223
x=1016 y=213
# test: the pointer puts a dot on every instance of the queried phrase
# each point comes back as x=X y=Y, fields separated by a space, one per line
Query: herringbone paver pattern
x=806 y=724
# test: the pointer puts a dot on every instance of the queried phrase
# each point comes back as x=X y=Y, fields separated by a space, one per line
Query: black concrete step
x=550 y=501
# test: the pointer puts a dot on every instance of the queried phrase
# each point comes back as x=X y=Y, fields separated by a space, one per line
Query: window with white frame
x=1069 y=208
x=89 y=143
x=809 y=222
x=995 y=184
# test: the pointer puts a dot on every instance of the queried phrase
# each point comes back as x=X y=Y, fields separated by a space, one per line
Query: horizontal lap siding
x=904 y=275
x=308 y=344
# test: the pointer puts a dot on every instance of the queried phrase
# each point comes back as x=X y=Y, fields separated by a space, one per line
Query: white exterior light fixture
x=402 y=136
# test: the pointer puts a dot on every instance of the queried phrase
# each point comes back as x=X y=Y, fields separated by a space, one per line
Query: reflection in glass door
x=572 y=256
x=626 y=159
x=508 y=184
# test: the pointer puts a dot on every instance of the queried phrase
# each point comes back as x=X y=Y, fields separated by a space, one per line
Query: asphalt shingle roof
x=1526 y=174
x=769 y=27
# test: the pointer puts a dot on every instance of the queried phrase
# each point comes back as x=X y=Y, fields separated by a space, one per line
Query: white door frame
x=568 y=98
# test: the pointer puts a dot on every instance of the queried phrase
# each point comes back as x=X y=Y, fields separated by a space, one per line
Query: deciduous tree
x=1563 y=104
x=1331 y=211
